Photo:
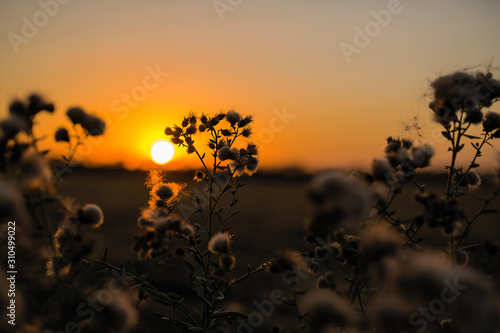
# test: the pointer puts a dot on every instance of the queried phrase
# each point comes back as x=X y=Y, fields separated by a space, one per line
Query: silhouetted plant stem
x=486 y=138
x=456 y=135
x=248 y=274
x=383 y=212
x=72 y=149
x=202 y=162
x=486 y=203
x=144 y=282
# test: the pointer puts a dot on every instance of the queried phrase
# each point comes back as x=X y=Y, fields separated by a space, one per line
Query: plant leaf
x=471 y=136
x=446 y=135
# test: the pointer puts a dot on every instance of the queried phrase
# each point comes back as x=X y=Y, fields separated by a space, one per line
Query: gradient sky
x=258 y=57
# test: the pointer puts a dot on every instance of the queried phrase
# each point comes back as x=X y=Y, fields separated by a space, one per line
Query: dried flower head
x=383 y=172
x=156 y=180
x=227 y=262
x=491 y=121
x=473 y=180
x=91 y=214
x=379 y=243
x=17 y=108
x=473 y=116
x=187 y=230
x=35 y=170
x=337 y=198
x=233 y=117
x=325 y=309
x=10 y=127
x=390 y=313
x=117 y=313
x=94 y=125
x=326 y=281
x=226 y=153
x=62 y=135
x=168 y=225
x=71 y=245
x=164 y=192
x=219 y=243
x=450 y=94
x=199 y=176
x=421 y=156
x=287 y=261
x=36 y=103
x=252 y=149
x=55 y=267
x=426 y=277
x=245 y=121
x=77 y=115
x=247 y=132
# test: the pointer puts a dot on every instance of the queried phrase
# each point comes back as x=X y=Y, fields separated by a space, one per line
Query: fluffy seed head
x=338 y=198
x=233 y=117
x=326 y=308
x=491 y=121
x=226 y=153
x=94 y=125
x=227 y=262
x=245 y=121
x=62 y=135
x=10 y=127
x=36 y=103
x=473 y=179
x=383 y=171
x=186 y=230
x=76 y=115
x=421 y=156
x=164 y=192
x=91 y=214
x=219 y=243
x=287 y=260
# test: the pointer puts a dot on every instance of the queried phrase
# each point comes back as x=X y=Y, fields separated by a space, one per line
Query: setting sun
x=162 y=152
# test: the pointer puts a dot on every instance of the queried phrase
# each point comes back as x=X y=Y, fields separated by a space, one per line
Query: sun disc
x=162 y=152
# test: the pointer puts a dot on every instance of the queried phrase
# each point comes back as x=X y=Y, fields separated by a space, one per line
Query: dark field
x=272 y=210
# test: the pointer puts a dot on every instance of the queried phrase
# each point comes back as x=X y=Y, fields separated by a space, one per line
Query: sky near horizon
x=326 y=81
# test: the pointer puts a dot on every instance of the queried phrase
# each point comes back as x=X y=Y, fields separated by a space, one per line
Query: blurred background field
x=272 y=210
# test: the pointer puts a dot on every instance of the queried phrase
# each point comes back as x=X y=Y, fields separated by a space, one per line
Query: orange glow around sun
x=162 y=151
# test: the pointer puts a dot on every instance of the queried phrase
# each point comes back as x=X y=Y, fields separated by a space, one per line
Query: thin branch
x=248 y=274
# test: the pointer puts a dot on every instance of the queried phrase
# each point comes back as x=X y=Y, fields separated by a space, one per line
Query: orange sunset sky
x=142 y=65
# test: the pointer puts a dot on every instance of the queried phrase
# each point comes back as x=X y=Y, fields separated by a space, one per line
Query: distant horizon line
x=288 y=170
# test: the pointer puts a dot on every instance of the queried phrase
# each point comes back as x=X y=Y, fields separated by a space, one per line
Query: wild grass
x=373 y=268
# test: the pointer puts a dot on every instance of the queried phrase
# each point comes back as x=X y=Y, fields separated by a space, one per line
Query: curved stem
x=478 y=213
x=155 y=290
x=247 y=275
